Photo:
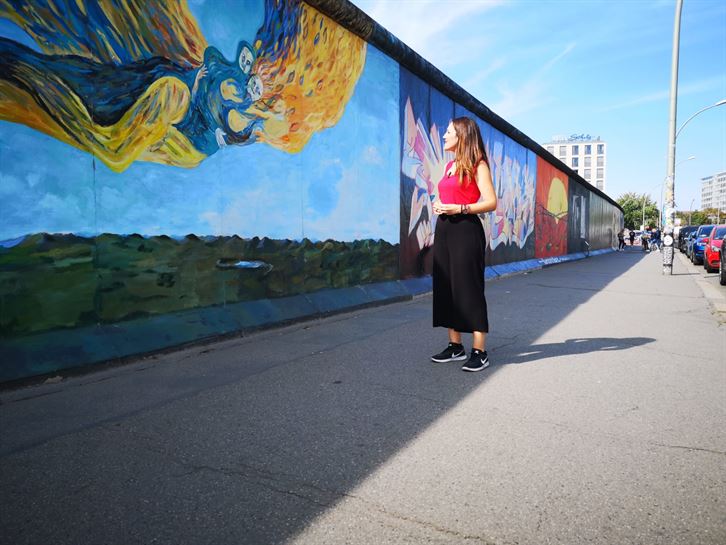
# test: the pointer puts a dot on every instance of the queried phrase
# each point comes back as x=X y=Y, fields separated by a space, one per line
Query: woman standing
x=459 y=245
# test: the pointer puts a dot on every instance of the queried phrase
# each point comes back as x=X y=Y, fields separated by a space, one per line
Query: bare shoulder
x=482 y=166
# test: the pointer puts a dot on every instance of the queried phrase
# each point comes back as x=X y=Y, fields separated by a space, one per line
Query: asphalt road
x=602 y=421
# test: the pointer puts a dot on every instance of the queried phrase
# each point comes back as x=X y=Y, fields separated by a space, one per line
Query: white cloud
x=355 y=217
x=10 y=185
x=33 y=179
x=664 y=94
x=479 y=76
x=531 y=93
x=372 y=155
x=272 y=209
x=422 y=24
x=68 y=206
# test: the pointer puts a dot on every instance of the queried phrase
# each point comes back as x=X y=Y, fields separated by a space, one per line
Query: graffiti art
x=135 y=80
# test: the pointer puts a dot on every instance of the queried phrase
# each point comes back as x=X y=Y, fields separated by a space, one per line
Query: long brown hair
x=469 y=149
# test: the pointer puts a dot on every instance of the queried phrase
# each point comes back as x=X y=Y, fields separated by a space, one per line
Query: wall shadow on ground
x=254 y=445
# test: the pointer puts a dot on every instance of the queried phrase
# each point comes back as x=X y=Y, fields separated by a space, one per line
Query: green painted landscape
x=63 y=281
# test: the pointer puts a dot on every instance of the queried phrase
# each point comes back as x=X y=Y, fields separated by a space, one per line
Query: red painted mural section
x=551 y=211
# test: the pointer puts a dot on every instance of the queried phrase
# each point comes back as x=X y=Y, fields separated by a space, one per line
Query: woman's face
x=450 y=138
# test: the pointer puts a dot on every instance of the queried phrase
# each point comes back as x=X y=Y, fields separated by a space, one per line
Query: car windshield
x=720 y=232
x=704 y=230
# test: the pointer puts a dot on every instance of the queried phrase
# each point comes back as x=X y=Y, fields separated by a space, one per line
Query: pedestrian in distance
x=632 y=237
x=655 y=240
x=621 y=240
x=465 y=191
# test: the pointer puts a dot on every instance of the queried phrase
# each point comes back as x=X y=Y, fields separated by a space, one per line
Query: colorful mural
x=99 y=233
x=514 y=172
x=136 y=80
x=552 y=205
x=131 y=198
x=425 y=114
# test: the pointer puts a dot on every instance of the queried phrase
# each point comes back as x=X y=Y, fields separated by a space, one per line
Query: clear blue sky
x=589 y=66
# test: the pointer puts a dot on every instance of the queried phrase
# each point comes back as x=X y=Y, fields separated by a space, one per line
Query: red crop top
x=450 y=192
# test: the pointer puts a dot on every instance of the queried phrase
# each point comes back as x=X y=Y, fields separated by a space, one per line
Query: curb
x=716 y=296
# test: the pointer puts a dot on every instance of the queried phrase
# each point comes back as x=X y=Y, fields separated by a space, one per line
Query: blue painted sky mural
x=330 y=189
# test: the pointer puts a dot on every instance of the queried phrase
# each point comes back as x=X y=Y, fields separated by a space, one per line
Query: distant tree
x=632 y=205
x=701 y=217
x=713 y=215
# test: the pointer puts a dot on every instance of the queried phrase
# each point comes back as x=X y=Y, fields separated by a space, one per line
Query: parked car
x=722 y=263
x=712 y=250
x=683 y=236
x=698 y=244
x=690 y=237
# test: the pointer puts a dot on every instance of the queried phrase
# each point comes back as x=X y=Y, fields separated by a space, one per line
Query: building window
x=599 y=173
x=588 y=161
x=599 y=184
x=587 y=173
x=563 y=150
x=575 y=150
x=600 y=161
x=551 y=149
x=588 y=149
x=575 y=162
x=600 y=149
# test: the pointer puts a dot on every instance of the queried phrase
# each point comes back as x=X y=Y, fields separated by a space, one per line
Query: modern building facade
x=713 y=191
x=584 y=154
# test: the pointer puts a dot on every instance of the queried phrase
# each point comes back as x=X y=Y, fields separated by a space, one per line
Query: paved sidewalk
x=601 y=421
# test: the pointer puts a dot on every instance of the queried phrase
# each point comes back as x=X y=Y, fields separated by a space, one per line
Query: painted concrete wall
x=176 y=173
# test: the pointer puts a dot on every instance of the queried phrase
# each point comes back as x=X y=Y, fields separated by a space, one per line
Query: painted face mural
x=136 y=81
x=552 y=208
x=128 y=188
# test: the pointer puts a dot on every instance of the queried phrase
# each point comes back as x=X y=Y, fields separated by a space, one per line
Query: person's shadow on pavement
x=575 y=346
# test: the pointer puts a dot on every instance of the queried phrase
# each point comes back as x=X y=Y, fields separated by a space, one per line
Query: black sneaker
x=477 y=361
x=453 y=352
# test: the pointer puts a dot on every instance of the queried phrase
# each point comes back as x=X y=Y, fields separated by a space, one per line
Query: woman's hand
x=446 y=209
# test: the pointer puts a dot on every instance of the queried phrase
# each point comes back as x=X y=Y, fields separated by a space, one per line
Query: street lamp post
x=642 y=225
x=690 y=211
x=719 y=103
x=662 y=187
x=670 y=211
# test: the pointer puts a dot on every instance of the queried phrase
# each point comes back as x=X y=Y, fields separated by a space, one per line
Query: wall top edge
x=358 y=22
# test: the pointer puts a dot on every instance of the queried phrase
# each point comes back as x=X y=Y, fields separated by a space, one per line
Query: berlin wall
x=176 y=171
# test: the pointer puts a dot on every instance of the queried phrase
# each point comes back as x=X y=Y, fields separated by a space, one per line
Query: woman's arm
x=488 y=201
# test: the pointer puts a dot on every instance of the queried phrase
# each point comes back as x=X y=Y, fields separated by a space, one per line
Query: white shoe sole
x=457 y=358
x=474 y=370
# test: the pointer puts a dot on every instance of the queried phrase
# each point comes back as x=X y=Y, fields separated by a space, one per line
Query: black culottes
x=458 y=276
